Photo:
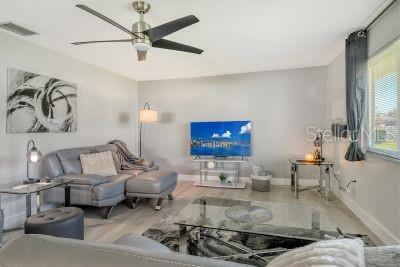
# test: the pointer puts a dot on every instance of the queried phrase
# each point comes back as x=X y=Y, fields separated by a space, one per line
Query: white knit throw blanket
x=338 y=253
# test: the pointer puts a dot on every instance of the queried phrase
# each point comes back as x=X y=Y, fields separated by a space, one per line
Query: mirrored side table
x=323 y=186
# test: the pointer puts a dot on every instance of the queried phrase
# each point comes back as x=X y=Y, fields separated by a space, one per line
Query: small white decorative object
x=259 y=170
x=211 y=164
x=230 y=180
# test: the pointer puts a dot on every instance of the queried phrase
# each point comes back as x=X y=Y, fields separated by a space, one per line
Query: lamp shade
x=33 y=159
x=148 y=115
x=34 y=155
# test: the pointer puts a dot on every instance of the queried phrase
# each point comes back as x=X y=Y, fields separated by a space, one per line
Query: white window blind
x=383 y=102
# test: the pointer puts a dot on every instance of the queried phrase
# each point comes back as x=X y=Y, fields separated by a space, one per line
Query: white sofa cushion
x=101 y=163
x=339 y=252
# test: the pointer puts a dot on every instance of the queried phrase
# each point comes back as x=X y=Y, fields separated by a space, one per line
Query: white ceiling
x=237 y=36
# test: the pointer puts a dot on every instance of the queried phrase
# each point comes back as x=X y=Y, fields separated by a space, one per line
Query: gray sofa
x=47 y=251
x=94 y=190
x=131 y=250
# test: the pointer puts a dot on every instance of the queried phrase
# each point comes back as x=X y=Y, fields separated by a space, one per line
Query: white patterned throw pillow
x=332 y=253
x=101 y=163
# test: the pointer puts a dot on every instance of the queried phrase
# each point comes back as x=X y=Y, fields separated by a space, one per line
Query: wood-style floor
x=125 y=220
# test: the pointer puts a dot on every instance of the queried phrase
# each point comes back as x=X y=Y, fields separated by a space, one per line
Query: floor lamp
x=146 y=115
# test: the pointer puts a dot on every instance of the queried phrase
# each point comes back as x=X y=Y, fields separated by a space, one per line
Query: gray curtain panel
x=1 y=225
x=356 y=83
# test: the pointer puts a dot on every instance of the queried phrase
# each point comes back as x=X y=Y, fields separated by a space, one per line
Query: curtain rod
x=375 y=20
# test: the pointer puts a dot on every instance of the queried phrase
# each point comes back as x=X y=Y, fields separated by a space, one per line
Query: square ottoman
x=152 y=184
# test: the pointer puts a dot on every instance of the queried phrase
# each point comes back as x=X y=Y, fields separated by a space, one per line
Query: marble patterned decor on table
x=248 y=214
x=232 y=246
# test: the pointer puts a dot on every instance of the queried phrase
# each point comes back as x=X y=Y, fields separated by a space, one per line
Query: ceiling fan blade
x=97 y=14
x=141 y=55
x=105 y=41
x=163 y=30
x=166 y=44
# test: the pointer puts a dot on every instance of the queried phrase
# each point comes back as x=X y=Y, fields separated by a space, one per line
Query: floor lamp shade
x=148 y=115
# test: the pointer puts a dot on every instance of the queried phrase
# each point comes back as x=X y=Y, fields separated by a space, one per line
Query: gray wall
x=107 y=109
x=281 y=105
x=386 y=30
x=375 y=198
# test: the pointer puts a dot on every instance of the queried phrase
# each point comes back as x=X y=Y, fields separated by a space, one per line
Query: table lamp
x=146 y=115
x=33 y=158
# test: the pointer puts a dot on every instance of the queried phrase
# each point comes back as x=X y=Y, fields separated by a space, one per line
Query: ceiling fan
x=143 y=36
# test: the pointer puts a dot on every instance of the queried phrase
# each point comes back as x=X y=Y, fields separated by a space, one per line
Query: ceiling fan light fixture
x=143 y=36
x=142 y=46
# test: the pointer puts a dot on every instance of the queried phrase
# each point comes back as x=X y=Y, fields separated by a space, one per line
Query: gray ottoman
x=152 y=184
x=64 y=222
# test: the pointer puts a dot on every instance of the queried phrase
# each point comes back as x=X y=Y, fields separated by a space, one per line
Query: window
x=383 y=102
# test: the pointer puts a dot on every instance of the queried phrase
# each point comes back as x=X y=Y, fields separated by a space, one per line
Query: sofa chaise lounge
x=100 y=191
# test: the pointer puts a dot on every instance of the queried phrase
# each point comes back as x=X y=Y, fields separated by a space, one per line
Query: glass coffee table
x=255 y=217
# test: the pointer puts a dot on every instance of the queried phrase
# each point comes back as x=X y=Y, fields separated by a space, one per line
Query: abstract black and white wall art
x=40 y=104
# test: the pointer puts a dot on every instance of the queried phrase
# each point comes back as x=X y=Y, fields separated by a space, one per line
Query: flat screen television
x=221 y=138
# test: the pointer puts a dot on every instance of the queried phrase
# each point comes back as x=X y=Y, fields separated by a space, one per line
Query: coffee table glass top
x=258 y=217
x=19 y=188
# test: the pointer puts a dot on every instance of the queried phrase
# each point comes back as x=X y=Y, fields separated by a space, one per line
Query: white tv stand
x=228 y=166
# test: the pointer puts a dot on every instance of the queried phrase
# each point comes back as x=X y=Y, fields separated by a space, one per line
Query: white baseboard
x=375 y=226
x=274 y=181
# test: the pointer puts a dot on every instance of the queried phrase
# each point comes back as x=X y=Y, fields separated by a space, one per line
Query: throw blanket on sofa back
x=128 y=160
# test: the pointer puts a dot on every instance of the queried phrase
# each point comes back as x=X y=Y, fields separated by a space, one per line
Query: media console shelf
x=216 y=166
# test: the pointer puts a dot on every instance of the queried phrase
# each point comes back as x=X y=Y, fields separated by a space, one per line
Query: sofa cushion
x=115 y=187
x=152 y=182
x=101 y=163
x=51 y=166
x=84 y=179
x=141 y=242
x=72 y=166
x=114 y=149
x=70 y=159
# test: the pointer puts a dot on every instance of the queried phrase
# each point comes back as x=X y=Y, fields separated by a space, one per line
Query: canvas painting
x=40 y=104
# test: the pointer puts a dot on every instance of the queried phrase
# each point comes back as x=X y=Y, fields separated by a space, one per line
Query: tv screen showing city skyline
x=222 y=138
